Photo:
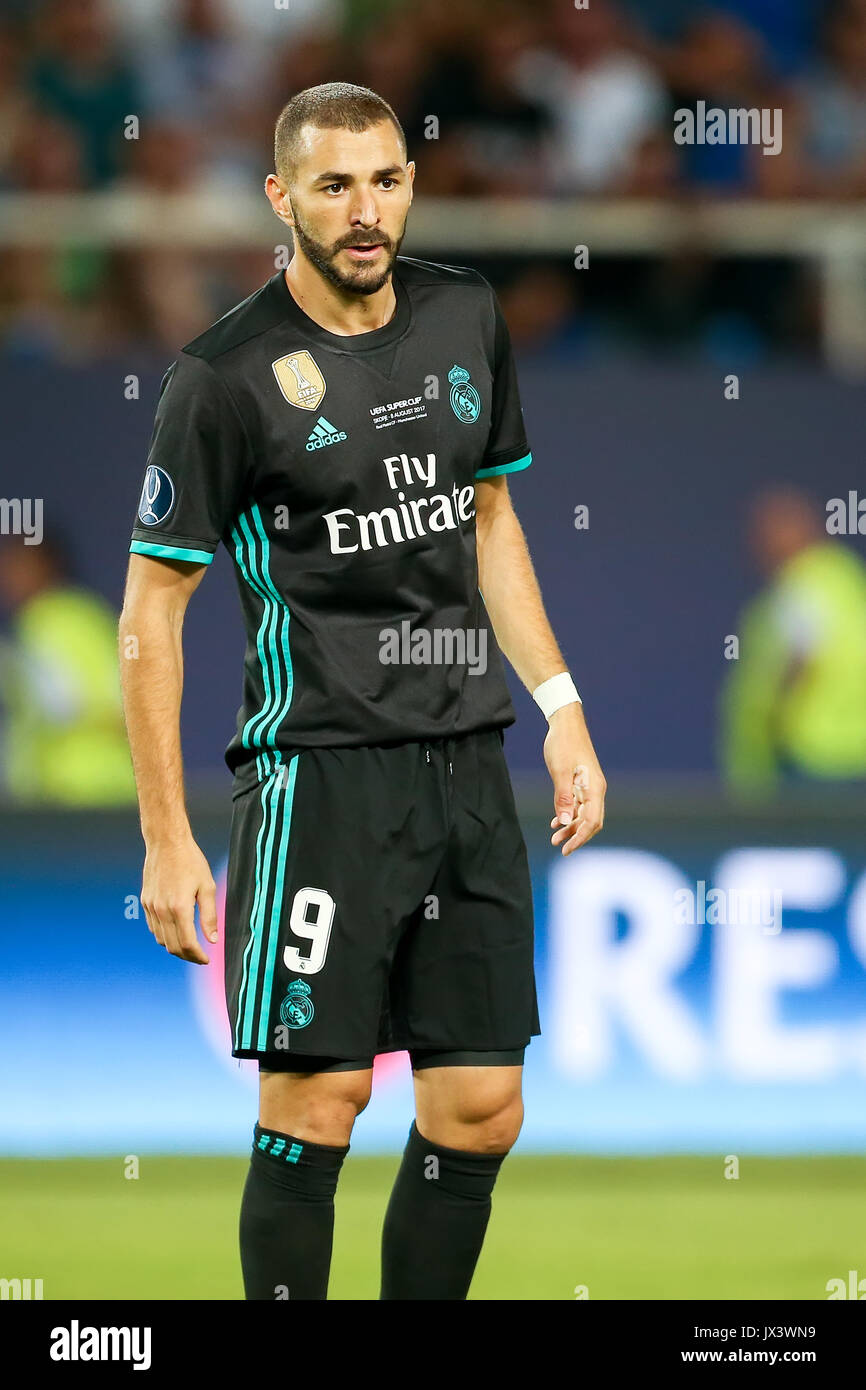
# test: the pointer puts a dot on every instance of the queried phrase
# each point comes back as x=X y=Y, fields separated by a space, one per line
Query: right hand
x=176 y=877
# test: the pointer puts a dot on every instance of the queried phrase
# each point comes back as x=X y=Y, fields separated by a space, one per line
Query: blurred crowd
x=532 y=98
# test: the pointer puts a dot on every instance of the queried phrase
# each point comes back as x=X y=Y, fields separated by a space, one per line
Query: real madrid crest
x=465 y=400
x=300 y=380
x=297 y=1010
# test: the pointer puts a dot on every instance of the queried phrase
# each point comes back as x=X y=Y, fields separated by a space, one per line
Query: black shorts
x=378 y=900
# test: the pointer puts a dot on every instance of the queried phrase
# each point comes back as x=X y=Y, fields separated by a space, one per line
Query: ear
x=278 y=197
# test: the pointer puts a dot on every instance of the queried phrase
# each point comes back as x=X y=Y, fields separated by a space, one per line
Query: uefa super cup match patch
x=300 y=379
x=157 y=496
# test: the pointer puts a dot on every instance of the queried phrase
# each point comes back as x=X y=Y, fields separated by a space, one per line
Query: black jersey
x=339 y=472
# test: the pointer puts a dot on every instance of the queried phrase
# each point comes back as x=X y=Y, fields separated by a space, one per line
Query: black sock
x=436 y=1220
x=287 y=1216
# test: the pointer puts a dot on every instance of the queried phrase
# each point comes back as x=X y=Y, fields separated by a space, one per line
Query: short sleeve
x=195 y=476
x=507 y=448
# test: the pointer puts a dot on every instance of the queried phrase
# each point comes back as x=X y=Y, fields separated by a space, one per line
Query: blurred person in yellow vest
x=64 y=741
x=794 y=704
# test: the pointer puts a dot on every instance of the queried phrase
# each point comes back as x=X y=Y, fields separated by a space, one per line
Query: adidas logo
x=324 y=434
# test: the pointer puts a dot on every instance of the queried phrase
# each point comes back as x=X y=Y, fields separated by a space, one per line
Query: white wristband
x=553 y=694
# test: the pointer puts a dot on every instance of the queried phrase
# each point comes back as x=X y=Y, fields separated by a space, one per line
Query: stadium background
x=686 y=1044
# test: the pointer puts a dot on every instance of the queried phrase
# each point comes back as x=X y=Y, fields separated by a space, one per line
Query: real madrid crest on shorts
x=300 y=380
x=465 y=400
x=297 y=1010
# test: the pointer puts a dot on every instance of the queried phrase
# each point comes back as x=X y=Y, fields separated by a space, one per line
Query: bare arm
x=176 y=873
x=513 y=600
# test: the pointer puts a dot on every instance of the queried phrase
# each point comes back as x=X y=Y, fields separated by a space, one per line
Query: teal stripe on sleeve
x=170 y=552
x=505 y=467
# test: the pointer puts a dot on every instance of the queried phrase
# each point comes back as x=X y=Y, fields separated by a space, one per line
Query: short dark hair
x=331 y=106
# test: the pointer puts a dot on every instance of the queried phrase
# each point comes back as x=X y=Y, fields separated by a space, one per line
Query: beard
x=360 y=279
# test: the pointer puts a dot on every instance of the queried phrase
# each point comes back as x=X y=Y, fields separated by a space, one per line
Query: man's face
x=349 y=199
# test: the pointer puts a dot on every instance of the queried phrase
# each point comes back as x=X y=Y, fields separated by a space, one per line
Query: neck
x=338 y=311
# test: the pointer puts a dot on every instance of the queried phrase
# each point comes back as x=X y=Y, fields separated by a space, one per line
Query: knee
x=496 y=1132
x=335 y=1111
x=304 y=1107
x=480 y=1124
x=344 y=1105
x=356 y=1096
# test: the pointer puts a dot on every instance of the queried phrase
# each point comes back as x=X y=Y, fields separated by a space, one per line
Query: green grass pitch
x=657 y=1228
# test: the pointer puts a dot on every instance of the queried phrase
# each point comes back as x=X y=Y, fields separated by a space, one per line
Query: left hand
x=579 y=785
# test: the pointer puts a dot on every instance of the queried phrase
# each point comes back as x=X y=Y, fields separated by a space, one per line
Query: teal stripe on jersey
x=245 y=554
x=170 y=552
x=287 y=780
x=505 y=467
x=273 y=633
x=281 y=608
